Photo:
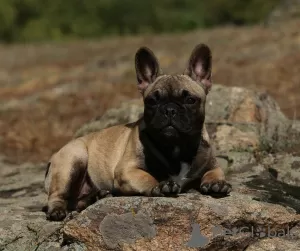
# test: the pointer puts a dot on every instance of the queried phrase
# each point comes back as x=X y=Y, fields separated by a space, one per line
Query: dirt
x=47 y=91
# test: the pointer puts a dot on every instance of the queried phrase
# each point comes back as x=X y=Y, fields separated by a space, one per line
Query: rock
x=244 y=120
x=22 y=186
x=285 y=167
x=140 y=223
x=23 y=230
x=236 y=161
x=275 y=244
x=22 y=223
x=228 y=137
x=128 y=111
x=129 y=227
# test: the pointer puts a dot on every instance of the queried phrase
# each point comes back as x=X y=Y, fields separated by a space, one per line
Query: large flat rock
x=139 y=223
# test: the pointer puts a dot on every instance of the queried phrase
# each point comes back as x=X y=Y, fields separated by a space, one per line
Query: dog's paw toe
x=56 y=214
x=156 y=192
x=219 y=187
x=166 y=188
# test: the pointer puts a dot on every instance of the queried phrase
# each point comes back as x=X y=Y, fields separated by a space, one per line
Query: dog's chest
x=167 y=164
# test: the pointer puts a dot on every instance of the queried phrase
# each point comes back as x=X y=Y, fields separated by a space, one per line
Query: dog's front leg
x=131 y=180
x=213 y=181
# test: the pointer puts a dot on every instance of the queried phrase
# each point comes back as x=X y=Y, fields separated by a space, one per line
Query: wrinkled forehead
x=174 y=84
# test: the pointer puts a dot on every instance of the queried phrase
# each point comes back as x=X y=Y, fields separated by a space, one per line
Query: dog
x=165 y=153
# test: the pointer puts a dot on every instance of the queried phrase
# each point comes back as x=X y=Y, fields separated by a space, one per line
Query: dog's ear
x=147 y=68
x=200 y=66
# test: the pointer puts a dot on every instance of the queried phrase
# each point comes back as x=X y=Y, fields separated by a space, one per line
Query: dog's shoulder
x=110 y=135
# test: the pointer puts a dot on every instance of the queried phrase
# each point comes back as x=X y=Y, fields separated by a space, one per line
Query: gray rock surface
x=22 y=223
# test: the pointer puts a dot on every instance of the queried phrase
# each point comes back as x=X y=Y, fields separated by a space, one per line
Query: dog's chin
x=169 y=132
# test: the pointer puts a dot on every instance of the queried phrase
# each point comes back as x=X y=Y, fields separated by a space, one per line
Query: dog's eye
x=190 y=100
x=151 y=101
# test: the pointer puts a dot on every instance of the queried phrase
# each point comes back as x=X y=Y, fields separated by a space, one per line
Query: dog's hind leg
x=65 y=178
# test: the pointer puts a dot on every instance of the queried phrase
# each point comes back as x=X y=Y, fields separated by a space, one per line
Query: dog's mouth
x=172 y=127
x=169 y=131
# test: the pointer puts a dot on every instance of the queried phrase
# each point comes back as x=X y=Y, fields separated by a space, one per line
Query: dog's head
x=174 y=105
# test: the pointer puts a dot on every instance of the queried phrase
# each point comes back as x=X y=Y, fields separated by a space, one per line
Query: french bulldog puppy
x=164 y=153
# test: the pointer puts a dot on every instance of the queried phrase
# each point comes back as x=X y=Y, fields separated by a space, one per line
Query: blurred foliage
x=37 y=20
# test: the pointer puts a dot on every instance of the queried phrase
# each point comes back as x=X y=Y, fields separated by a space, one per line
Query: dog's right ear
x=147 y=68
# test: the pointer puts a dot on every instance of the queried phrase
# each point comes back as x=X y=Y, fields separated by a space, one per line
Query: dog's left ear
x=200 y=66
x=147 y=68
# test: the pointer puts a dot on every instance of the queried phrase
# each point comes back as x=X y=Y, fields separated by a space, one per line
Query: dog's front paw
x=166 y=188
x=56 y=214
x=218 y=188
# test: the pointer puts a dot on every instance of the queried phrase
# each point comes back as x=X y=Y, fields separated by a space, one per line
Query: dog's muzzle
x=170 y=110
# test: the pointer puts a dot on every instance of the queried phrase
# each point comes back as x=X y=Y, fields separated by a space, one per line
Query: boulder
x=189 y=222
x=126 y=112
x=236 y=118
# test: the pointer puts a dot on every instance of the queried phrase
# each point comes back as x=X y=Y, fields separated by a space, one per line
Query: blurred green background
x=40 y=20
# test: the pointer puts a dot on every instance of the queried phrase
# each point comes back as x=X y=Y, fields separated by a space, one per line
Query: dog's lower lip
x=169 y=130
x=169 y=127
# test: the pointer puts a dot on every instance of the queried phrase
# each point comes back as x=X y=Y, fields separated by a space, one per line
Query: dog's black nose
x=170 y=110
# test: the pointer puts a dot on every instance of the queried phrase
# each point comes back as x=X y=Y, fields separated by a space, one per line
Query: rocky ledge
x=256 y=145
